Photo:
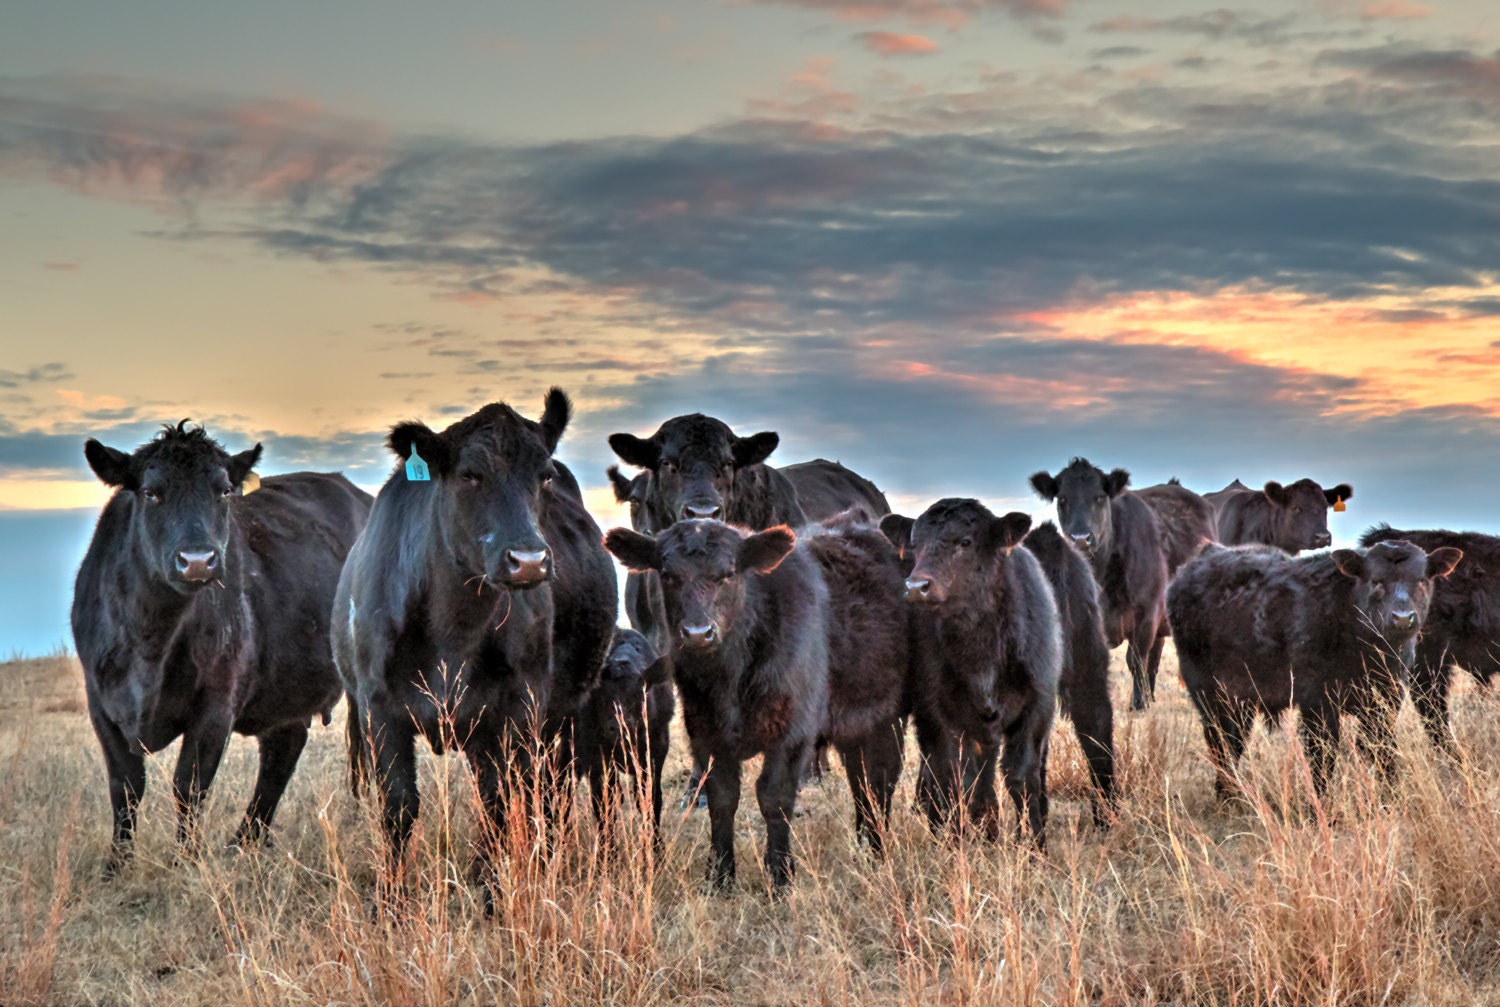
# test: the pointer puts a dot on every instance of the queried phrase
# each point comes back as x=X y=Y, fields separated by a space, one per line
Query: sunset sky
x=948 y=242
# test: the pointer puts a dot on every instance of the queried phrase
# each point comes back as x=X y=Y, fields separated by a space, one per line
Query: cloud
x=952 y=14
x=60 y=267
x=1119 y=52
x=885 y=43
x=41 y=374
x=1245 y=26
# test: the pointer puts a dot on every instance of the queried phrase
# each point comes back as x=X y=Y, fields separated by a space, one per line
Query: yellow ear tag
x=250 y=485
x=1339 y=506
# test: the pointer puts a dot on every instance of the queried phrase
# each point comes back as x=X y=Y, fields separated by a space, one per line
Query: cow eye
x=152 y=496
x=471 y=478
x=227 y=491
x=966 y=541
x=1296 y=510
x=548 y=474
x=1100 y=498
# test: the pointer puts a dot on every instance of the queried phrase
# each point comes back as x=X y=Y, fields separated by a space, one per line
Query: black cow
x=700 y=469
x=1258 y=631
x=199 y=611
x=1187 y=524
x=624 y=725
x=826 y=488
x=643 y=602
x=1462 y=627
x=1292 y=517
x=994 y=662
x=476 y=608
x=1119 y=534
x=779 y=645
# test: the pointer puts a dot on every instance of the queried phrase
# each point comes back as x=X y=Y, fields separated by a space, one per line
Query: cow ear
x=764 y=551
x=1045 y=485
x=643 y=454
x=1276 y=493
x=1441 y=561
x=1350 y=562
x=635 y=551
x=1006 y=532
x=754 y=449
x=432 y=447
x=623 y=487
x=1343 y=491
x=240 y=465
x=555 y=417
x=659 y=672
x=897 y=528
x=113 y=467
x=1115 y=483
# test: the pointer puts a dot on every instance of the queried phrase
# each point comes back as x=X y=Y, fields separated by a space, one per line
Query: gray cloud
x=41 y=374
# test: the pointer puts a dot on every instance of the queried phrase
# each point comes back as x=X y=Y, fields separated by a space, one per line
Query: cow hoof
x=113 y=865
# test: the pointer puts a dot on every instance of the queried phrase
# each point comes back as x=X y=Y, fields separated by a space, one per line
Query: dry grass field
x=1381 y=896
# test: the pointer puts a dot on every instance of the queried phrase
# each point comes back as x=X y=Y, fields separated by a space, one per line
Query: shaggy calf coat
x=1121 y=537
x=1462 y=629
x=1258 y=631
x=993 y=660
x=779 y=645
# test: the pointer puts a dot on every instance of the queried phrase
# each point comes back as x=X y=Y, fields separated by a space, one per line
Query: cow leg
x=1376 y=739
x=695 y=794
x=1024 y=763
x=658 y=749
x=599 y=780
x=722 y=784
x=776 y=792
x=359 y=752
x=1142 y=679
x=486 y=753
x=203 y=747
x=125 y=767
x=1319 y=727
x=873 y=765
x=392 y=743
x=937 y=773
x=1429 y=694
x=1153 y=660
x=1093 y=722
x=977 y=772
x=279 y=752
x=1226 y=728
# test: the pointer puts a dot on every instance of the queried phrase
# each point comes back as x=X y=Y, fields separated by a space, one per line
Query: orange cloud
x=1394 y=10
x=889 y=43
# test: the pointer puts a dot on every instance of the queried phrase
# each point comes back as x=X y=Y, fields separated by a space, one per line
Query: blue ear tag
x=416 y=468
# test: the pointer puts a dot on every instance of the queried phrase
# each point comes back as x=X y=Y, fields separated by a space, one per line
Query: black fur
x=1122 y=539
x=435 y=632
x=237 y=641
x=1187 y=525
x=1292 y=517
x=1462 y=627
x=1258 y=631
x=779 y=644
x=826 y=488
x=995 y=652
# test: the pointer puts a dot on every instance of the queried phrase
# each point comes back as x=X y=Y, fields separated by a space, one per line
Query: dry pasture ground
x=1381 y=896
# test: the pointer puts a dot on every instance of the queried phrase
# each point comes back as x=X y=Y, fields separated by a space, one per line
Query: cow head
x=1084 y=495
x=704 y=566
x=1393 y=587
x=693 y=460
x=955 y=547
x=490 y=471
x=631 y=668
x=182 y=484
x=633 y=492
x=1299 y=513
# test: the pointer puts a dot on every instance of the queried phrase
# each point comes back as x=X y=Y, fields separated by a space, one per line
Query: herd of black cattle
x=474 y=603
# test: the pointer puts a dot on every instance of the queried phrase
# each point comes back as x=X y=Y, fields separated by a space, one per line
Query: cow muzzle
x=702 y=634
x=922 y=589
x=1404 y=622
x=701 y=512
x=526 y=567
x=197 y=566
x=1084 y=543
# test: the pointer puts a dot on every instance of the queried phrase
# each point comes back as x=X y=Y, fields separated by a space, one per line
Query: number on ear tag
x=416 y=468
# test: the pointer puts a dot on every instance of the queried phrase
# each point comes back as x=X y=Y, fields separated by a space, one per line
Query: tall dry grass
x=1381 y=895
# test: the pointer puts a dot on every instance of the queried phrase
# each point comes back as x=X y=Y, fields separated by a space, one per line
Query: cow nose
x=918 y=588
x=1084 y=541
x=197 y=565
x=1404 y=620
x=526 y=566
x=1322 y=540
x=698 y=512
x=988 y=711
x=700 y=635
